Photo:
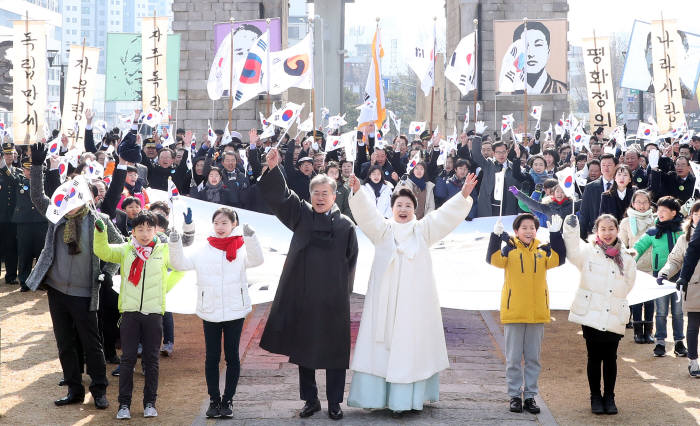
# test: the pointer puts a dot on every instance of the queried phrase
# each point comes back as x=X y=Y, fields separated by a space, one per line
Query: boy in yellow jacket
x=525 y=299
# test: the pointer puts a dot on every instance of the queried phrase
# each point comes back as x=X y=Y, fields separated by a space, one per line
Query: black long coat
x=310 y=316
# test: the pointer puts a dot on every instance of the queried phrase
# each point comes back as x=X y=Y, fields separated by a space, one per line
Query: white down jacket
x=601 y=298
x=222 y=286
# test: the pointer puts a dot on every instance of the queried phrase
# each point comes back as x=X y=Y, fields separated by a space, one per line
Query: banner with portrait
x=244 y=35
x=6 y=72
x=81 y=82
x=599 y=85
x=154 y=46
x=29 y=81
x=536 y=58
x=638 y=61
x=123 y=67
x=665 y=49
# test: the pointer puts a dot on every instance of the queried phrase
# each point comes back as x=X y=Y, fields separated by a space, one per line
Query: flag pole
x=525 y=109
x=230 y=81
x=432 y=89
x=268 y=65
x=313 y=91
x=476 y=87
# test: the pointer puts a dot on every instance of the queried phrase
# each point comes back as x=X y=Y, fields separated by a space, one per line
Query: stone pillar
x=460 y=14
x=194 y=21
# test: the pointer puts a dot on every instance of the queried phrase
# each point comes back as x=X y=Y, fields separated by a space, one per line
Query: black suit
x=590 y=206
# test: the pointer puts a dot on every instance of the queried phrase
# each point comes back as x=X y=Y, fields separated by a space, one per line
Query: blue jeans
x=661 y=305
x=168 y=328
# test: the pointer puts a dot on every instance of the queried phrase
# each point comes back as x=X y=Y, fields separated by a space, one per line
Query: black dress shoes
x=310 y=408
x=71 y=398
x=335 y=412
x=101 y=401
x=62 y=382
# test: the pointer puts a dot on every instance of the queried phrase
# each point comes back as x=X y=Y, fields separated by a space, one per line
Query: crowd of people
x=633 y=208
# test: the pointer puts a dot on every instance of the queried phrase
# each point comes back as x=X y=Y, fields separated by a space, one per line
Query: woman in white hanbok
x=400 y=347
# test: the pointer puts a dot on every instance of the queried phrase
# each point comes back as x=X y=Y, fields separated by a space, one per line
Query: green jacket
x=148 y=296
x=660 y=247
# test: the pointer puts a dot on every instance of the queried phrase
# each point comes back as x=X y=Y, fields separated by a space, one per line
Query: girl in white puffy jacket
x=222 y=297
x=600 y=306
x=380 y=190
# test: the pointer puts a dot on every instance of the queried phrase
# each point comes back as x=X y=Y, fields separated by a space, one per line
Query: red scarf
x=142 y=255
x=229 y=244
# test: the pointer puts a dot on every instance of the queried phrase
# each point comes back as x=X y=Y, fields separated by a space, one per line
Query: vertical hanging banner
x=154 y=45
x=29 y=81
x=665 y=46
x=601 y=96
x=80 y=90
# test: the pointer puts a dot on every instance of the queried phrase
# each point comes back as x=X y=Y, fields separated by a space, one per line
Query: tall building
x=46 y=10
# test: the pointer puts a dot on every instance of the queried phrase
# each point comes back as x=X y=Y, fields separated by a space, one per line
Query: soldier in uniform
x=31 y=224
x=8 y=230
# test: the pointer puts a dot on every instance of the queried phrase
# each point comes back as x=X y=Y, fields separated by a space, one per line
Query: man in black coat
x=590 y=205
x=310 y=317
x=299 y=176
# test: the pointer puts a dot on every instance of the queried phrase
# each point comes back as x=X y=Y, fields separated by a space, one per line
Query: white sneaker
x=167 y=349
x=150 y=411
x=123 y=413
x=694 y=368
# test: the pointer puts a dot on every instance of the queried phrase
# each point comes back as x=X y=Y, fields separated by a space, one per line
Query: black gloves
x=38 y=151
x=537 y=134
x=682 y=284
x=660 y=279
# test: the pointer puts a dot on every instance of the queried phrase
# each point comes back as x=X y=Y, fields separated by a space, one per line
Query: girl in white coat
x=600 y=305
x=400 y=346
x=379 y=190
x=222 y=297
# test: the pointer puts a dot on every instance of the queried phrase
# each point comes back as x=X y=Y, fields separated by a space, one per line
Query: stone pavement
x=472 y=390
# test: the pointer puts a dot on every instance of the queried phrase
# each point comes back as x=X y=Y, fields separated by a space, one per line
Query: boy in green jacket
x=662 y=238
x=144 y=262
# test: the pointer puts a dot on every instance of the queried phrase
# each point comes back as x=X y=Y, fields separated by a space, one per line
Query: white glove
x=480 y=127
x=248 y=231
x=654 y=158
x=498 y=228
x=555 y=224
x=174 y=236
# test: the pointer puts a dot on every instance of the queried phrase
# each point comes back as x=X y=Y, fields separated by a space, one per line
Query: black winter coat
x=310 y=316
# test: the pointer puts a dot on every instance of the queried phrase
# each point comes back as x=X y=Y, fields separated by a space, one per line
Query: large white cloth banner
x=29 y=81
x=154 y=41
x=79 y=93
x=464 y=279
x=601 y=96
x=665 y=50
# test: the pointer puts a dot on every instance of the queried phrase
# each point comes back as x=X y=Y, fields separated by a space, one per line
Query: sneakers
x=226 y=409
x=597 y=404
x=530 y=406
x=150 y=410
x=516 y=405
x=123 y=413
x=139 y=350
x=115 y=372
x=167 y=349
x=680 y=349
x=213 y=410
x=659 y=350
x=694 y=368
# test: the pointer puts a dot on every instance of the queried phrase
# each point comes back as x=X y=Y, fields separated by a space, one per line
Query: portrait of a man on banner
x=531 y=55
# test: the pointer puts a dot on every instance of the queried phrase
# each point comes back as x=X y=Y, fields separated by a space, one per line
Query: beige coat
x=601 y=298
x=429 y=195
x=691 y=300
x=629 y=238
x=401 y=337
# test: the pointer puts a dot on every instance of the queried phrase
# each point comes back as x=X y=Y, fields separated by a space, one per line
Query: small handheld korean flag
x=581 y=140
x=172 y=188
x=63 y=168
x=70 y=195
x=93 y=170
x=336 y=122
x=333 y=143
x=349 y=142
x=151 y=118
x=566 y=180
x=416 y=127
x=549 y=133
x=696 y=172
x=211 y=136
x=286 y=116
x=559 y=127
x=536 y=113
x=386 y=127
x=499 y=182
x=646 y=131
x=412 y=163
x=54 y=148
x=507 y=124
x=466 y=121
